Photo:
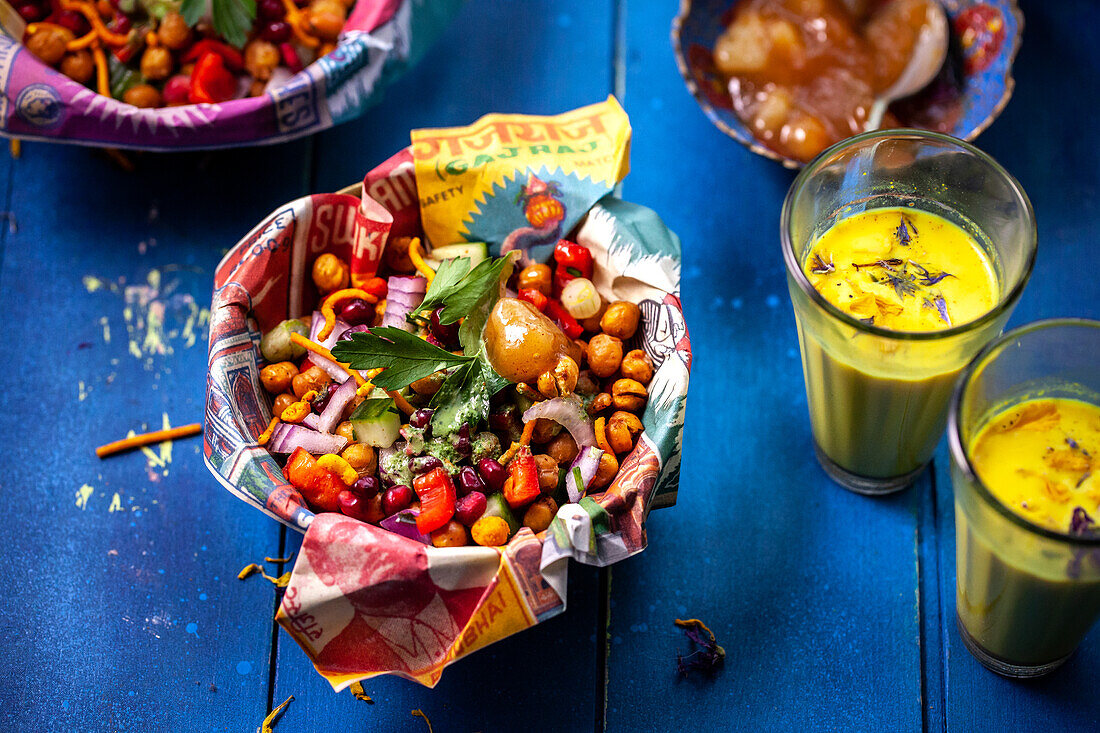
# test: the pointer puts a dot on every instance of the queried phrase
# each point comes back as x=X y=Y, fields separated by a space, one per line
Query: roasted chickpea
x=361 y=457
x=605 y=353
x=345 y=430
x=282 y=402
x=548 y=471
x=605 y=473
x=260 y=59
x=330 y=273
x=256 y=88
x=327 y=18
x=78 y=66
x=592 y=323
x=637 y=366
x=105 y=8
x=451 y=534
x=276 y=377
x=48 y=43
x=562 y=448
x=535 y=277
x=622 y=430
x=561 y=380
x=544 y=430
x=599 y=403
x=144 y=96
x=540 y=514
x=621 y=319
x=313 y=378
x=173 y=31
x=156 y=63
x=628 y=394
x=429 y=385
x=396 y=255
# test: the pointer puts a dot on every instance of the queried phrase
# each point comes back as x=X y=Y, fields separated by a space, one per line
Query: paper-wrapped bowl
x=363 y=601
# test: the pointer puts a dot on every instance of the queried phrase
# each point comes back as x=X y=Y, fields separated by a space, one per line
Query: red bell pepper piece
x=574 y=258
x=535 y=298
x=525 y=479
x=566 y=322
x=231 y=56
x=211 y=82
x=376 y=286
x=290 y=57
x=319 y=486
x=437 y=500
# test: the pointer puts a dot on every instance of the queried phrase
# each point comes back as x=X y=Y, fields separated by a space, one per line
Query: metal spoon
x=929 y=53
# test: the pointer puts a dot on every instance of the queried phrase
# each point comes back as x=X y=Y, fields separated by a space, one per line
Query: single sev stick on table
x=140 y=441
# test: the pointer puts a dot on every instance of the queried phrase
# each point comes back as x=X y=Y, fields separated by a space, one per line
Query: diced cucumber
x=376 y=422
x=476 y=251
x=496 y=506
x=276 y=346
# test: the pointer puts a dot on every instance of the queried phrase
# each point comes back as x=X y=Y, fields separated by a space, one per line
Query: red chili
x=566 y=322
x=211 y=82
x=525 y=479
x=535 y=298
x=231 y=56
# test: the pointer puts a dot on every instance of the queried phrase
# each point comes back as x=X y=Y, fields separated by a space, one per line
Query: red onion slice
x=568 y=412
x=586 y=464
x=287 y=437
x=334 y=410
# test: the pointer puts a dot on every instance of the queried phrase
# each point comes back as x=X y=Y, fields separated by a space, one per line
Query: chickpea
x=78 y=66
x=548 y=471
x=313 y=378
x=282 y=402
x=637 y=366
x=144 y=96
x=628 y=394
x=562 y=448
x=545 y=430
x=48 y=43
x=173 y=31
x=622 y=430
x=361 y=457
x=540 y=514
x=260 y=59
x=535 y=277
x=330 y=273
x=561 y=380
x=327 y=18
x=605 y=473
x=256 y=88
x=156 y=63
x=451 y=534
x=105 y=8
x=276 y=377
x=345 y=430
x=621 y=319
x=396 y=256
x=592 y=323
x=605 y=353
x=429 y=385
x=599 y=403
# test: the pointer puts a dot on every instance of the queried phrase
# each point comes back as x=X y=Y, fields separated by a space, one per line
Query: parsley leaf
x=464 y=397
x=373 y=408
x=404 y=356
x=232 y=18
x=482 y=281
x=445 y=283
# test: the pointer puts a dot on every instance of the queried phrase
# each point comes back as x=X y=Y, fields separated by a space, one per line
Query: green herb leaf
x=404 y=356
x=192 y=11
x=446 y=281
x=233 y=19
x=481 y=281
x=464 y=397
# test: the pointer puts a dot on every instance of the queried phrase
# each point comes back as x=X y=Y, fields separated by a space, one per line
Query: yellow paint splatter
x=82 y=495
x=82 y=391
x=163 y=457
x=155 y=314
x=106 y=329
x=116 y=503
x=93 y=283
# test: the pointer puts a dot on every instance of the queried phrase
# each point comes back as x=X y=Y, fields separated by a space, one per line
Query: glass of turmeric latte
x=906 y=252
x=1024 y=431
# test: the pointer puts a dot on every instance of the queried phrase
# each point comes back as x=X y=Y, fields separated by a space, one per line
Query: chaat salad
x=455 y=398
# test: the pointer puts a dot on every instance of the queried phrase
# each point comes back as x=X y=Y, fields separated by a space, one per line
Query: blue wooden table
x=122 y=609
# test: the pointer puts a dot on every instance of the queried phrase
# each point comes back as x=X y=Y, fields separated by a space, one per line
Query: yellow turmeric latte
x=1040 y=458
x=903 y=269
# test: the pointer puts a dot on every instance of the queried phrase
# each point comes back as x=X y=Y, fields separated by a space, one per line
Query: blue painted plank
x=811 y=590
x=124 y=611
x=1045 y=138
x=537 y=58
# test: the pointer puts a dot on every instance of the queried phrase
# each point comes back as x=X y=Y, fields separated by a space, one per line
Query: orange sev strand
x=418 y=713
x=278 y=560
x=328 y=308
x=88 y=11
x=401 y=402
x=140 y=441
x=252 y=569
x=15 y=146
x=102 y=76
x=151 y=39
x=322 y=351
x=265 y=727
x=294 y=18
x=359 y=693
x=687 y=623
x=528 y=431
x=83 y=42
x=266 y=434
x=418 y=260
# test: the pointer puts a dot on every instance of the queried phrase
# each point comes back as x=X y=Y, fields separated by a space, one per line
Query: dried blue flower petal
x=1080 y=522
x=821 y=267
x=708 y=657
x=941 y=306
x=1083 y=479
x=927 y=277
x=902 y=233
